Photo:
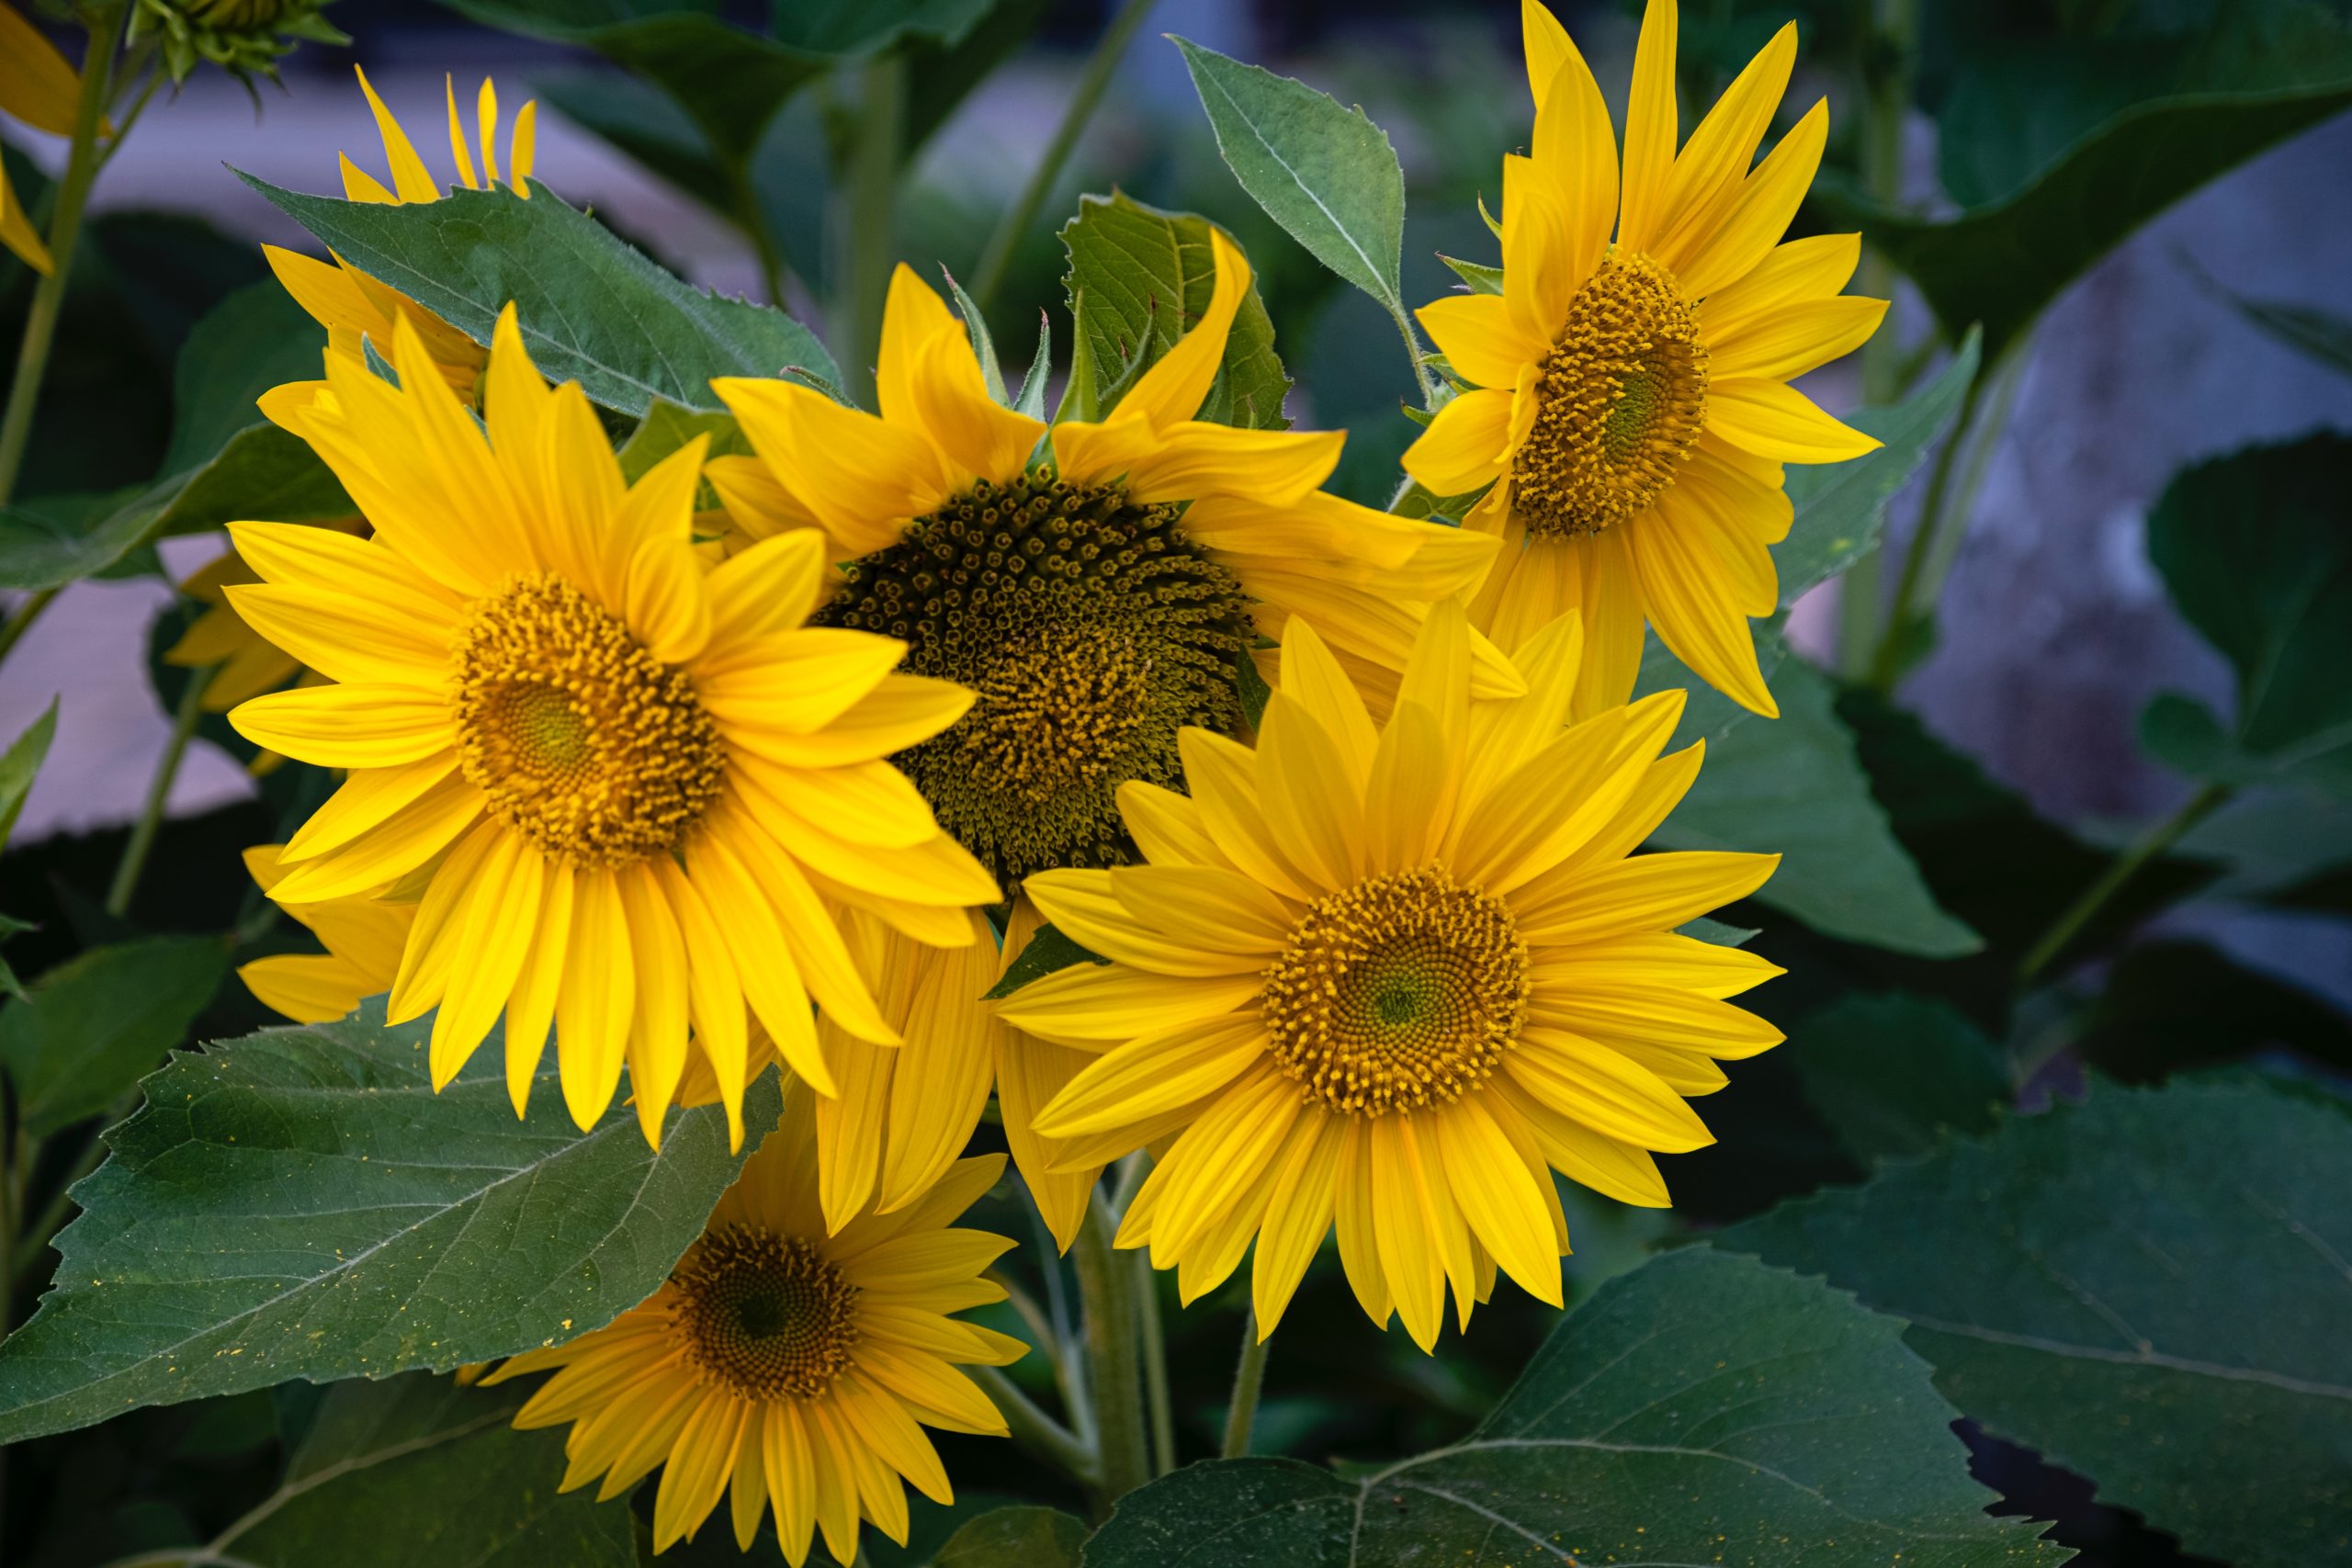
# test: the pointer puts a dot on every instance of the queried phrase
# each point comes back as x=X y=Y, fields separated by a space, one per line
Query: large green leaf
x=301 y=1204
x=1893 y=1074
x=1841 y=507
x=1326 y=174
x=1793 y=787
x=255 y=339
x=2256 y=551
x=591 y=309
x=1701 y=1409
x=2059 y=150
x=417 y=1470
x=1138 y=279
x=21 y=764
x=99 y=1022
x=2149 y=1288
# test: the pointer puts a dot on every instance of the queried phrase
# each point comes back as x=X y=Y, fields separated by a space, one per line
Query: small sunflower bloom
x=363 y=939
x=628 y=792
x=1389 y=979
x=38 y=87
x=1098 y=602
x=356 y=308
x=787 y=1365
x=1630 y=411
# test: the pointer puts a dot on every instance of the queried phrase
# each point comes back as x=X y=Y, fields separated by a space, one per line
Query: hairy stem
x=1106 y=1289
x=159 y=794
x=1157 y=1400
x=1035 y=1432
x=1249 y=1376
x=2118 y=871
x=64 y=232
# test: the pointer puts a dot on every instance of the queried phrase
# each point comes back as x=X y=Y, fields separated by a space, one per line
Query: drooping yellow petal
x=37 y=84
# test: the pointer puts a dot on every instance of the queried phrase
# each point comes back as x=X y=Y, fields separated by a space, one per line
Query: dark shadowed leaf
x=1895 y=1074
x=2256 y=551
x=1139 y=279
x=2149 y=1288
x=1792 y=786
x=591 y=309
x=2171 y=1006
x=98 y=1023
x=1047 y=950
x=1015 y=1538
x=1700 y=1409
x=301 y=1204
x=419 y=1470
x=21 y=764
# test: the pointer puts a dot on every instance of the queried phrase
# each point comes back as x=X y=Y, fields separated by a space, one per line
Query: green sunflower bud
x=243 y=37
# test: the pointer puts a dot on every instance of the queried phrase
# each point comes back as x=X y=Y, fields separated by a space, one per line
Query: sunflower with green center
x=1389 y=977
x=354 y=307
x=788 y=1365
x=628 y=793
x=1630 y=409
x=1097 y=585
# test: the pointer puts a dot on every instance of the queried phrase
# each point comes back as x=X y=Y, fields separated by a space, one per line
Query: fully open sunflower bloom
x=794 y=1362
x=363 y=937
x=39 y=88
x=1393 y=977
x=627 y=791
x=355 y=308
x=1098 y=602
x=1631 y=407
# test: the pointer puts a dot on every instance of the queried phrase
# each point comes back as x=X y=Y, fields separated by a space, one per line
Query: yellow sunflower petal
x=1481 y=339
x=1709 y=171
x=1767 y=200
x=1799 y=272
x=1576 y=146
x=357 y=725
x=1157 y=1073
x=1777 y=421
x=1693 y=595
x=1465 y=445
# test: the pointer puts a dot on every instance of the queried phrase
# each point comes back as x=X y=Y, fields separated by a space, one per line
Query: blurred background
x=2055 y=629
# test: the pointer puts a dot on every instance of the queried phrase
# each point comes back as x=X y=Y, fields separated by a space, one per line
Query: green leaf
x=21 y=764
x=1138 y=279
x=253 y=341
x=863 y=27
x=99 y=1022
x=1719 y=933
x=1022 y=1536
x=2256 y=551
x=730 y=81
x=1893 y=1074
x=1701 y=1408
x=976 y=324
x=2058 y=150
x=301 y=1204
x=591 y=309
x=1793 y=787
x=1326 y=174
x=417 y=1469
x=2147 y=1287
x=2171 y=1006
x=1047 y=950
x=1481 y=279
x=1841 y=507
x=1707 y=714
x=667 y=426
x=2321 y=337
x=1032 y=400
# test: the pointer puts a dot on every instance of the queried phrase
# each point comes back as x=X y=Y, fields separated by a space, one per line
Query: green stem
x=1100 y=66
x=1036 y=1432
x=1158 y=1401
x=22 y=621
x=2121 y=869
x=1886 y=664
x=1249 y=1376
x=159 y=792
x=64 y=232
x=1889 y=52
x=1107 y=1289
x=868 y=222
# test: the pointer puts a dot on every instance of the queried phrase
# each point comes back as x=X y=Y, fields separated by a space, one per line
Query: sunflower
x=354 y=307
x=1392 y=978
x=363 y=938
x=241 y=37
x=1098 y=602
x=1630 y=406
x=39 y=88
x=626 y=792
x=797 y=1362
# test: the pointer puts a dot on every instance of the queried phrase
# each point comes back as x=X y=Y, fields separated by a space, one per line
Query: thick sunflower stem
x=159 y=794
x=1100 y=66
x=2120 y=870
x=1107 y=1289
x=1160 y=1405
x=1249 y=1377
x=867 y=225
x=1033 y=1431
x=82 y=163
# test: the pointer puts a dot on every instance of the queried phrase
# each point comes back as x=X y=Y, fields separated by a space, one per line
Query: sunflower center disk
x=1399 y=992
x=1092 y=630
x=765 y=1314
x=1621 y=401
x=584 y=742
